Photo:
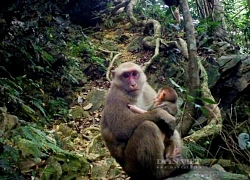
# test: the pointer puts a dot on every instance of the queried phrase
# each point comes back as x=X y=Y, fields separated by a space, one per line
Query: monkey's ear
x=163 y=94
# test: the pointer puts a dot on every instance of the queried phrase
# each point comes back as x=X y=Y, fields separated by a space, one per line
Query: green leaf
x=247 y=110
x=52 y=171
x=29 y=148
x=28 y=109
x=209 y=101
x=38 y=104
x=204 y=110
x=176 y=85
x=190 y=98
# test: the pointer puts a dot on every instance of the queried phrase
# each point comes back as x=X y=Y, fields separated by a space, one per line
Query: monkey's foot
x=176 y=152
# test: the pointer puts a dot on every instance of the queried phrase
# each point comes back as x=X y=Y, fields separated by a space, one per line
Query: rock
x=107 y=167
x=27 y=163
x=209 y=174
x=78 y=112
x=135 y=45
x=110 y=45
x=234 y=79
x=212 y=74
x=97 y=98
x=7 y=121
x=218 y=167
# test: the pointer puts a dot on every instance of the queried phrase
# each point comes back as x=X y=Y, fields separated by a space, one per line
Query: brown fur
x=166 y=99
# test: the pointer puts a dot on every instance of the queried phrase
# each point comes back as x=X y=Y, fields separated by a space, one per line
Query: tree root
x=111 y=65
x=112 y=61
x=91 y=128
x=179 y=43
x=92 y=143
x=93 y=139
x=119 y=7
x=147 y=64
x=214 y=125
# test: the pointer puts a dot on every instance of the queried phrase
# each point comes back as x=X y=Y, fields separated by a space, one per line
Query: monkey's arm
x=124 y=126
x=158 y=116
x=168 y=119
x=136 y=109
x=170 y=107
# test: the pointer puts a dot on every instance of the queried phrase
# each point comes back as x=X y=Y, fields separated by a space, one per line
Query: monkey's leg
x=169 y=148
x=176 y=139
x=144 y=154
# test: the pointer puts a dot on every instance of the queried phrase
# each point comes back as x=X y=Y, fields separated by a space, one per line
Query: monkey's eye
x=126 y=75
x=134 y=73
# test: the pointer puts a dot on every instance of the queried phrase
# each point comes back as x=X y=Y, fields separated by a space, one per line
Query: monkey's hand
x=135 y=109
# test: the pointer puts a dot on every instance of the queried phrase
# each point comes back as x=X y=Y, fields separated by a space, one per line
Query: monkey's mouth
x=133 y=90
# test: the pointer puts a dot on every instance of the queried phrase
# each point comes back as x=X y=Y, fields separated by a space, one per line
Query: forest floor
x=87 y=124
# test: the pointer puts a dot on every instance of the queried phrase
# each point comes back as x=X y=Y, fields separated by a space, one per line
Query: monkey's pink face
x=131 y=80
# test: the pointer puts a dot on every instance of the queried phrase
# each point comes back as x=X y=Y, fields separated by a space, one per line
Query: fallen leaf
x=88 y=107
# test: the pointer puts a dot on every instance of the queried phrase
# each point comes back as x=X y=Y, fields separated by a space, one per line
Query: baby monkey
x=166 y=99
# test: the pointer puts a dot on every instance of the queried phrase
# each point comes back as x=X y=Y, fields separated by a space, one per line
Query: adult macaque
x=135 y=140
x=166 y=99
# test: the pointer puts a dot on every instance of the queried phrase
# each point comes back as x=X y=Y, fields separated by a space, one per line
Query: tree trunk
x=218 y=16
x=197 y=83
x=193 y=68
x=215 y=10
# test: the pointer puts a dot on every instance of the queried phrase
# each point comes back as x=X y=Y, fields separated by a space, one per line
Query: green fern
x=32 y=141
x=197 y=150
x=38 y=104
